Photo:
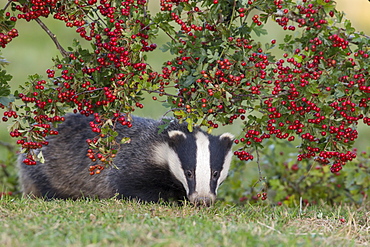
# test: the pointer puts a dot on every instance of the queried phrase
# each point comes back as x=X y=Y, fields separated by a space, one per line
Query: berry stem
x=164 y=93
x=166 y=32
x=258 y=164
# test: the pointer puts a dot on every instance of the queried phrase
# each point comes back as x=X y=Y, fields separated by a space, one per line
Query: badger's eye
x=189 y=174
x=215 y=174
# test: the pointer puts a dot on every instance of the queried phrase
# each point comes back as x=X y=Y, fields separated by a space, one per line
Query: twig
x=7 y=145
x=167 y=33
x=172 y=109
x=7 y=4
x=89 y=91
x=53 y=37
x=258 y=164
x=159 y=92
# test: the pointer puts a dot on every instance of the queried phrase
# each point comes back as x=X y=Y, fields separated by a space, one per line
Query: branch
x=258 y=164
x=164 y=93
x=167 y=33
x=172 y=109
x=7 y=145
x=53 y=37
x=7 y=4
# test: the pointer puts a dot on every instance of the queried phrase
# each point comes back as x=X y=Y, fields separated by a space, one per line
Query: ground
x=30 y=222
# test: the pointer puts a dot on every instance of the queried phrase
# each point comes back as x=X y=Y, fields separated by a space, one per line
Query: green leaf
x=3 y=61
x=6 y=100
x=189 y=81
x=258 y=30
x=114 y=134
x=212 y=56
x=298 y=58
x=348 y=26
x=4 y=83
x=190 y=124
x=40 y=157
x=136 y=47
x=165 y=47
x=288 y=38
x=350 y=179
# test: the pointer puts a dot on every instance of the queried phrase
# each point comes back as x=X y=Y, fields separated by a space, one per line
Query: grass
x=29 y=222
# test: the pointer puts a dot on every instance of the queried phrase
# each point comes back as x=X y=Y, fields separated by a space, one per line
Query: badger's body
x=174 y=164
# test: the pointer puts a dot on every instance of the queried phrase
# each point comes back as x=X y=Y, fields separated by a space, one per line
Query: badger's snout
x=202 y=200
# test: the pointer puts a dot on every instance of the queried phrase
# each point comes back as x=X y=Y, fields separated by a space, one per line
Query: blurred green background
x=31 y=53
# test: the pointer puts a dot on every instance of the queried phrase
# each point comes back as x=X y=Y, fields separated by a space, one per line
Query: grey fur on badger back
x=175 y=164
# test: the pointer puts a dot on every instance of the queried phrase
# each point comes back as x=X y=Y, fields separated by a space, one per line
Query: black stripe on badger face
x=221 y=155
x=185 y=148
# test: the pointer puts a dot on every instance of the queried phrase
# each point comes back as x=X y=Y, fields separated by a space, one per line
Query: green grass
x=27 y=222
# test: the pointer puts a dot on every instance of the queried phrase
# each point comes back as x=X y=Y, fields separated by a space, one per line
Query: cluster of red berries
x=256 y=197
x=341 y=159
x=166 y=5
x=9 y=193
x=96 y=169
x=43 y=8
x=95 y=155
x=5 y=38
x=313 y=15
x=262 y=195
x=338 y=41
x=103 y=155
x=122 y=119
x=41 y=128
x=29 y=160
x=36 y=8
x=283 y=21
x=256 y=20
x=243 y=155
x=9 y=114
x=253 y=136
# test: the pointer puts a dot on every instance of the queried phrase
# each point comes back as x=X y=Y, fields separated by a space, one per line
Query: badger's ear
x=227 y=139
x=176 y=137
x=176 y=133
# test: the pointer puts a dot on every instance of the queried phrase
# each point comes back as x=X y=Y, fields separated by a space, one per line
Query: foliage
x=8 y=173
x=312 y=86
x=290 y=182
x=5 y=96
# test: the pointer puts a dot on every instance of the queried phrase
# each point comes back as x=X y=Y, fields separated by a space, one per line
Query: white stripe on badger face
x=225 y=169
x=203 y=166
x=166 y=155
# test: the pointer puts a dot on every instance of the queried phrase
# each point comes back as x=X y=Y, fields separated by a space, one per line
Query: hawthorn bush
x=289 y=182
x=310 y=88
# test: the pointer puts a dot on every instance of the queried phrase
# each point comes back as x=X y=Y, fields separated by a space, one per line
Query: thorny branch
x=7 y=4
x=53 y=37
x=7 y=145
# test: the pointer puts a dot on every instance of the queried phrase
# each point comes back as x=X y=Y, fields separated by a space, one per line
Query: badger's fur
x=172 y=164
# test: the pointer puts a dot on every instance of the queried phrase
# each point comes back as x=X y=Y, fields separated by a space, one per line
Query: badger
x=173 y=164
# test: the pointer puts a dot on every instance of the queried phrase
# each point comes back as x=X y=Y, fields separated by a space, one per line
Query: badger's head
x=199 y=161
